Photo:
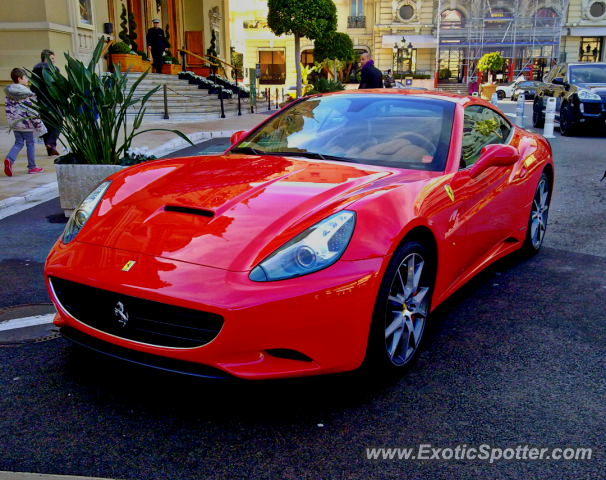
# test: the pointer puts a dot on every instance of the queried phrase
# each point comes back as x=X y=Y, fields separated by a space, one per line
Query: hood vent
x=190 y=210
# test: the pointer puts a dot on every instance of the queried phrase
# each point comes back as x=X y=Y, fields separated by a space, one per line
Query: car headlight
x=316 y=248
x=83 y=212
x=588 y=95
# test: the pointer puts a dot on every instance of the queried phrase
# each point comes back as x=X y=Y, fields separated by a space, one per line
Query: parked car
x=580 y=93
x=398 y=84
x=506 y=90
x=320 y=241
x=526 y=88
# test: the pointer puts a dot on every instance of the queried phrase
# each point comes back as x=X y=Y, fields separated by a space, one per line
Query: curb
x=29 y=195
x=196 y=137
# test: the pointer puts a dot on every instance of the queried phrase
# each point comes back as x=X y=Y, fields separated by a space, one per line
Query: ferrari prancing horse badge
x=128 y=266
x=449 y=192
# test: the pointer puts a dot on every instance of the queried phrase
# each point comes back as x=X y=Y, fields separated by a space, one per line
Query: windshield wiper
x=321 y=156
x=247 y=150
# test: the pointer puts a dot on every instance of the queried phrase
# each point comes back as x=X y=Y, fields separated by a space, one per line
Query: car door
x=559 y=91
x=490 y=198
x=547 y=88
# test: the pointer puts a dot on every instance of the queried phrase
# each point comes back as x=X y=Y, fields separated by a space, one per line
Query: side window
x=481 y=127
x=554 y=73
x=562 y=72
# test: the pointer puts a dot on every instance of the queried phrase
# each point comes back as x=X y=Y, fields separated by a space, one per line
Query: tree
x=302 y=18
x=334 y=46
x=132 y=27
x=211 y=51
x=124 y=27
x=491 y=62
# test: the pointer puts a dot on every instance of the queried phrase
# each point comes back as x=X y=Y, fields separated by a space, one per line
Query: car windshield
x=588 y=74
x=377 y=129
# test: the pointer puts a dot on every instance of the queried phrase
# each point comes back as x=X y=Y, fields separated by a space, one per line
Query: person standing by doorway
x=371 y=76
x=156 y=44
x=50 y=138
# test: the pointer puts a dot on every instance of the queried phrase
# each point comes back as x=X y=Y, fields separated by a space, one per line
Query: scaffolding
x=526 y=33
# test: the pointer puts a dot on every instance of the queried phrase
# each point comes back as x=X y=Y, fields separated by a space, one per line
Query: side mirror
x=236 y=137
x=558 y=81
x=494 y=156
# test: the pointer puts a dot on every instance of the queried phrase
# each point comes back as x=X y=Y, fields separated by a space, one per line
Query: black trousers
x=50 y=138
x=157 y=56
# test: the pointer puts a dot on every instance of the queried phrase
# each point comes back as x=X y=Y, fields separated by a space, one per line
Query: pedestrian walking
x=156 y=44
x=50 y=138
x=23 y=121
x=388 y=81
x=371 y=76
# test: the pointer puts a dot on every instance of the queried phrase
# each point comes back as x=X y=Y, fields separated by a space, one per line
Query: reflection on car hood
x=225 y=211
x=599 y=88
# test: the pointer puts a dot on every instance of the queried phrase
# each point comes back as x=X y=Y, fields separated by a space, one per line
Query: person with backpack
x=23 y=121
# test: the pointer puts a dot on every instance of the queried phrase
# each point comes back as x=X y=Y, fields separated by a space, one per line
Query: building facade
x=29 y=26
x=406 y=36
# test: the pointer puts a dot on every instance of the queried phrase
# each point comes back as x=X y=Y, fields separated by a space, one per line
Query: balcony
x=356 y=22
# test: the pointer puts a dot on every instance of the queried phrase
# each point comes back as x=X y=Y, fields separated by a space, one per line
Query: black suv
x=580 y=93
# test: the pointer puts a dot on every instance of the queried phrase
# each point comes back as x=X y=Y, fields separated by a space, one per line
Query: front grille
x=594 y=108
x=137 y=319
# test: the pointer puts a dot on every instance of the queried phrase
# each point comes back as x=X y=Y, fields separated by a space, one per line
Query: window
x=597 y=10
x=545 y=13
x=307 y=58
x=357 y=9
x=451 y=19
x=273 y=66
x=481 y=126
x=406 y=12
x=591 y=49
x=389 y=130
x=588 y=74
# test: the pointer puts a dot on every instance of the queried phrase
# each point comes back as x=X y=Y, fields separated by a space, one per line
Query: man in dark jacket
x=156 y=44
x=371 y=76
x=50 y=138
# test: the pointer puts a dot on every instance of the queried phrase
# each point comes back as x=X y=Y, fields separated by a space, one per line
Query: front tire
x=538 y=118
x=500 y=95
x=401 y=312
x=566 y=123
x=537 y=223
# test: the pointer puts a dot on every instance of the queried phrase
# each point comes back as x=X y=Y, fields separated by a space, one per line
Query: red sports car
x=321 y=240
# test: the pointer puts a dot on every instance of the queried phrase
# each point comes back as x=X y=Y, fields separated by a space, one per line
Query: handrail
x=224 y=63
x=197 y=56
x=107 y=45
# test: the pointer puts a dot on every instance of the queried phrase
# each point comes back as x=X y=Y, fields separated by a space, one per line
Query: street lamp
x=399 y=53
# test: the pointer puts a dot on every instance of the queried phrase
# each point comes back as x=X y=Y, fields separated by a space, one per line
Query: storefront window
x=273 y=66
x=591 y=49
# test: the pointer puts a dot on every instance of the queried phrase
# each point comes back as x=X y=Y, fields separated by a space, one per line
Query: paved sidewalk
x=22 y=182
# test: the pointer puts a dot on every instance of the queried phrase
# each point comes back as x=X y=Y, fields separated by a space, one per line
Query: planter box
x=77 y=181
x=202 y=71
x=146 y=66
x=487 y=91
x=204 y=86
x=171 y=69
x=126 y=61
x=226 y=96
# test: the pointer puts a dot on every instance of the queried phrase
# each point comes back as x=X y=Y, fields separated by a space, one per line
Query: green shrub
x=359 y=77
x=323 y=86
x=167 y=59
x=120 y=48
x=444 y=74
x=175 y=60
x=91 y=110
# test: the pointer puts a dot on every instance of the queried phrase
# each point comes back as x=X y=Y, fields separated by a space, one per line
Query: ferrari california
x=320 y=241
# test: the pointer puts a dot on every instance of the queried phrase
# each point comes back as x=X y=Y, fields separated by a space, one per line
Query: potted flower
x=92 y=115
x=171 y=65
x=490 y=62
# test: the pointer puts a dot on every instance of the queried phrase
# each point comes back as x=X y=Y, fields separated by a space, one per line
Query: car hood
x=599 y=88
x=227 y=211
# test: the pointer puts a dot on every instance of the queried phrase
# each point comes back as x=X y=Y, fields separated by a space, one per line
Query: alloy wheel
x=407 y=308
x=538 y=214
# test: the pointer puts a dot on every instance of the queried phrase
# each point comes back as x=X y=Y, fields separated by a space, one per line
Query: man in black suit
x=156 y=44
x=371 y=76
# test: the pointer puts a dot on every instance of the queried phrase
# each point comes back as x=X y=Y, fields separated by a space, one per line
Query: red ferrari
x=320 y=241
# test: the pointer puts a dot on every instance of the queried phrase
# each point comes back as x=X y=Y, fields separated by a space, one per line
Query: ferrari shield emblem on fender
x=449 y=192
x=128 y=266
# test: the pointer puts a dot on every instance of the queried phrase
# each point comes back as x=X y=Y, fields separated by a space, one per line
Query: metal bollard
x=494 y=99
x=277 y=101
x=520 y=111
x=166 y=102
x=549 y=118
x=268 y=95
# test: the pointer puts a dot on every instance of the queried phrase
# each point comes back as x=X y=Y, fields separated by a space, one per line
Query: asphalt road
x=515 y=357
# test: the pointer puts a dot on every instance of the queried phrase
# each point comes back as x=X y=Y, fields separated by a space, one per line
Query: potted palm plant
x=91 y=111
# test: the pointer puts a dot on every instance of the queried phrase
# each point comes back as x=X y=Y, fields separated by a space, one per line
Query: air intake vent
x=288 y=354
x=190 y=210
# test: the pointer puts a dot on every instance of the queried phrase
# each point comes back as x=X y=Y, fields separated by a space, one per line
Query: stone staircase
x=462 y=88
x=185 y=101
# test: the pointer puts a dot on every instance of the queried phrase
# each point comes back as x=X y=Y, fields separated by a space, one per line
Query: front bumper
x=323 y=317
x=591 y=110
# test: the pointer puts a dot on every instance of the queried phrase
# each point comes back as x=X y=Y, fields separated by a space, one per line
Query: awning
x=418 y=41
x=588 y=32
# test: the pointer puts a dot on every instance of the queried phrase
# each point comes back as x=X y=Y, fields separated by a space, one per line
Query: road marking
x=26 y=322
x=41 y=476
